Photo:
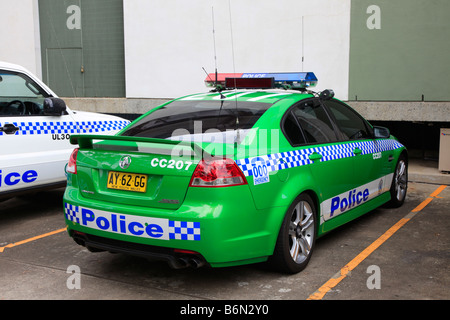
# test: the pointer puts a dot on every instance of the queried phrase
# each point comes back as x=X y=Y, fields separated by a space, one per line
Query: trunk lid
x=135 y=171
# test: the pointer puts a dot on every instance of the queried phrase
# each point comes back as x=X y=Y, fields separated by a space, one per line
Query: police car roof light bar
x=286 y=80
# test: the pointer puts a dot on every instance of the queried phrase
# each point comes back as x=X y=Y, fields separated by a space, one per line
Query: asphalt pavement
x=388 y=254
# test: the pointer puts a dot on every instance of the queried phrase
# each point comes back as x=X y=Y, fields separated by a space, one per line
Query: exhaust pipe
x=189 y=262
x=196 y=263
x=184 y=262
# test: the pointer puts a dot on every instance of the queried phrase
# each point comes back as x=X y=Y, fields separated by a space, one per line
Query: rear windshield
x=198 y=119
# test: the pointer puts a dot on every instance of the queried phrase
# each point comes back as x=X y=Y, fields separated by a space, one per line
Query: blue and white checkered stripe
x=183 y=230
x=296 y=158
x=54 y=127
x=101 y=126
x=71 y=212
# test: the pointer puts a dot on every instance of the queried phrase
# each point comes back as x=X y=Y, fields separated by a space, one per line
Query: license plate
x=127 y=181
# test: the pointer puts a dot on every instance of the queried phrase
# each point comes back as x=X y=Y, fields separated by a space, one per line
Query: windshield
x=199 y=120
x=19 y=95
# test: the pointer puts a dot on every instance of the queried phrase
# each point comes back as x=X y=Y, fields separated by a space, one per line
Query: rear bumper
x=177 y=259
x=221 y=227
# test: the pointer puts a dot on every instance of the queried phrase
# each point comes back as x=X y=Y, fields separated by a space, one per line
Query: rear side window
x=292 y=130
x=195 y=119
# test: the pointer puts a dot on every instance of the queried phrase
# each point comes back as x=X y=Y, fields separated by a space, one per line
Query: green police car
x=255 y=170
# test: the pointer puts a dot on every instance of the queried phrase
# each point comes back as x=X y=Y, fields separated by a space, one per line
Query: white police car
x=35 y=127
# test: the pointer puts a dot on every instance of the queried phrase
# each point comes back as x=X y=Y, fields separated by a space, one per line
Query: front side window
x=19 y=95
x=352 y=126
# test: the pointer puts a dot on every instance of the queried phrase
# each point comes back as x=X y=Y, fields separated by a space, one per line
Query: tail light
x=72 y=166
x=217 y=173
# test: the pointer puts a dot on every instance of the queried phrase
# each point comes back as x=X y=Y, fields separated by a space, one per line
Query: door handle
x=315 y=156
x=9 y=128
x=357 y=151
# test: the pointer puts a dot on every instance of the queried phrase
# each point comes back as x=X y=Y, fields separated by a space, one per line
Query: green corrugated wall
x=400 y=50
x=82 y=47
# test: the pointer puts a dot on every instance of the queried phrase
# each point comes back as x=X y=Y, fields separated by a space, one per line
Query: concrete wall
x=168 y=42
x=19 y=34
x=418 y=111
x=114 y=105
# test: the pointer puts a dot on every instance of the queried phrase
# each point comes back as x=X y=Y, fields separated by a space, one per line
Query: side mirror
x=381 y=132
x=54 y=107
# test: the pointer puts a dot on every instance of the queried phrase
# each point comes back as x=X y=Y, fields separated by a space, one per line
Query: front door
x=331 y=161
x=34 y=148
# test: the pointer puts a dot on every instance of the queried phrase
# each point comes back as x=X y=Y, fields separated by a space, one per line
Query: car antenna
x=214 y=43
x=238 y=138
x=303 y=41
x=217 y=87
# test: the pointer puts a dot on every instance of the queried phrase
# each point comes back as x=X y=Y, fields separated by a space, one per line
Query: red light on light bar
x=249 y=83
x=211 y=77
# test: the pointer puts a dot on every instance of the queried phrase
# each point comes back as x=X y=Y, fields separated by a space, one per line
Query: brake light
x=217 y=173
x=72 y=166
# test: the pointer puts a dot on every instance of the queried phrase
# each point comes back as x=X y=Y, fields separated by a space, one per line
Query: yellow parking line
x=339 y=276
x=437 y=191
x=422 y=205
x=15 y=244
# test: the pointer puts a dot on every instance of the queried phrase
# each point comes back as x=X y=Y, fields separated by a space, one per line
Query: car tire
x=399 y=184
x=296 y=239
